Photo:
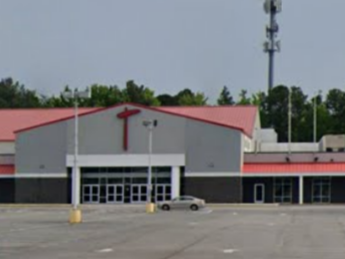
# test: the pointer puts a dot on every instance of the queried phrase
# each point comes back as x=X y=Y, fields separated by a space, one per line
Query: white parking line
x=229 y=251
x=105 y=250
x=205 y=211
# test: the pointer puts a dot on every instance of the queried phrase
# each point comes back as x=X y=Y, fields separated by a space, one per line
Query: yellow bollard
x=75 y=216
x=150 y=208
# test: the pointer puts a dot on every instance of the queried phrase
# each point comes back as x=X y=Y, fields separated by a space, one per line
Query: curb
x=88 y=206
x=242 y=205
x=32 y=205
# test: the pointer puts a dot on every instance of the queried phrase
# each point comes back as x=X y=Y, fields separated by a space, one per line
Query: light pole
x=315 y=116
x=272 y=7
x=150 y=125
x=75 y=215
x=289 y=119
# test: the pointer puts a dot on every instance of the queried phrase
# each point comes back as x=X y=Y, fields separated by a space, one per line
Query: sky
x=169 y=45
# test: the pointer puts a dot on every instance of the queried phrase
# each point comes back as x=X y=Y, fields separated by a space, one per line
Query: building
x=220 y=154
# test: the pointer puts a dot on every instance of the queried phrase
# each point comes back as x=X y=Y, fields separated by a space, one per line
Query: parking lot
x=215 y=232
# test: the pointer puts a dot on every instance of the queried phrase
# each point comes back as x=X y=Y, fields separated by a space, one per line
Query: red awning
x=6 y=169
x=271 y=168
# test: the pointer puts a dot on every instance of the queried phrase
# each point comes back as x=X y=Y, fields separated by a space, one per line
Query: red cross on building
x=125 y=115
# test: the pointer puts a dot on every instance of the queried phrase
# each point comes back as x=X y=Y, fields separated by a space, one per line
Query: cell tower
x=272 y=45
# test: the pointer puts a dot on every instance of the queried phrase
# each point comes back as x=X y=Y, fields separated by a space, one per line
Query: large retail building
x=220 y=154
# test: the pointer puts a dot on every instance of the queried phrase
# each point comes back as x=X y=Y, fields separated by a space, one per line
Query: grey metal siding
x=211 y=148
x=102 y=133
x=214 y=189
x=42 y=150
x=7 y=190
x=43 y=190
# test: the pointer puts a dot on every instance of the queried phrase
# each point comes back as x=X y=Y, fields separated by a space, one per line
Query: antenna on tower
x=272 y=45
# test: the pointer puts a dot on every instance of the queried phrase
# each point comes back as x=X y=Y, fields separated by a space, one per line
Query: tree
x=244 y=100
x=299 y=124
x=277 y=110
x=139 y=94
x=335 y=103
x=14 y=95
x=225 y=97
x=187 y=98
x=260 y=100
x=323 y=119
x=167 y=100
x=104 y=96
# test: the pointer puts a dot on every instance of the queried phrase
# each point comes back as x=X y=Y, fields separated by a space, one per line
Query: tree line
x=273 y=106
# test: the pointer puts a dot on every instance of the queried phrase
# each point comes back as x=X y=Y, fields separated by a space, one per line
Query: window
x=283 y=190
x=321 y=190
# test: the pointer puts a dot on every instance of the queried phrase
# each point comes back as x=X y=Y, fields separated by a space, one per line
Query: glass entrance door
x=259 y=193
x=138 y=193
x=115 y=193
x=162 y=192
x=91 y=193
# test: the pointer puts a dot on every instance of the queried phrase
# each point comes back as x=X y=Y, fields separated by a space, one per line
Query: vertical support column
x=175 y=181
x=300 y=190
x=76 y=182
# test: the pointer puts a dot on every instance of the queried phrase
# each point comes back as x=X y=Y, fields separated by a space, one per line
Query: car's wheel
x=194 y=207
x=165 y=207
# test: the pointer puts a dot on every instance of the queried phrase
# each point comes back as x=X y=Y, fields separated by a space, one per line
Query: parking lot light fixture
x=150 y=125
x=75 y=214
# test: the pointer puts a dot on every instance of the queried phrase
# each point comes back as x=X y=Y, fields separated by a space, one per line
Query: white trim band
x=35 y=175
x=127 y=160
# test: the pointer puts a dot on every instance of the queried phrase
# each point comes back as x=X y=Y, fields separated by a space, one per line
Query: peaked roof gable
x=236 y=117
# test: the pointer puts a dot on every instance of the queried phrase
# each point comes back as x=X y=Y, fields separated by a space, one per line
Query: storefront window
x=321 y=190
x=283 y=190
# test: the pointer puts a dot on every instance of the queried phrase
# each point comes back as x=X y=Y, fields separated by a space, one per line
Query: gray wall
x=212 y=148
x=215 y=189
x=42 y=150
x=7 y=190
x=208 y=148
x=42 y=190
x=102 y=133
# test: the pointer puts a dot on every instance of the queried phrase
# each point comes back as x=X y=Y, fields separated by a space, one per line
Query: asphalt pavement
x=127 y=232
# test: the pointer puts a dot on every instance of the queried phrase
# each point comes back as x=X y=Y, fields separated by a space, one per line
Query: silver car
x=182 y=202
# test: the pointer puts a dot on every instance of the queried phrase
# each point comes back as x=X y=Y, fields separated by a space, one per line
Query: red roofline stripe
x=276 y=168
x=135 y=105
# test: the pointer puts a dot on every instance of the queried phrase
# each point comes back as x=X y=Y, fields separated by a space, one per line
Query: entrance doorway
x=115 y=193
x=162 y=192
x=91 y=193
x=138 y=193
x=259 y=193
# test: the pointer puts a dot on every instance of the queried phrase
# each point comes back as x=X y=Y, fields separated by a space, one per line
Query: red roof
x=15 y=119
x=239 y=117
x=271 y=168
x=6 y=169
